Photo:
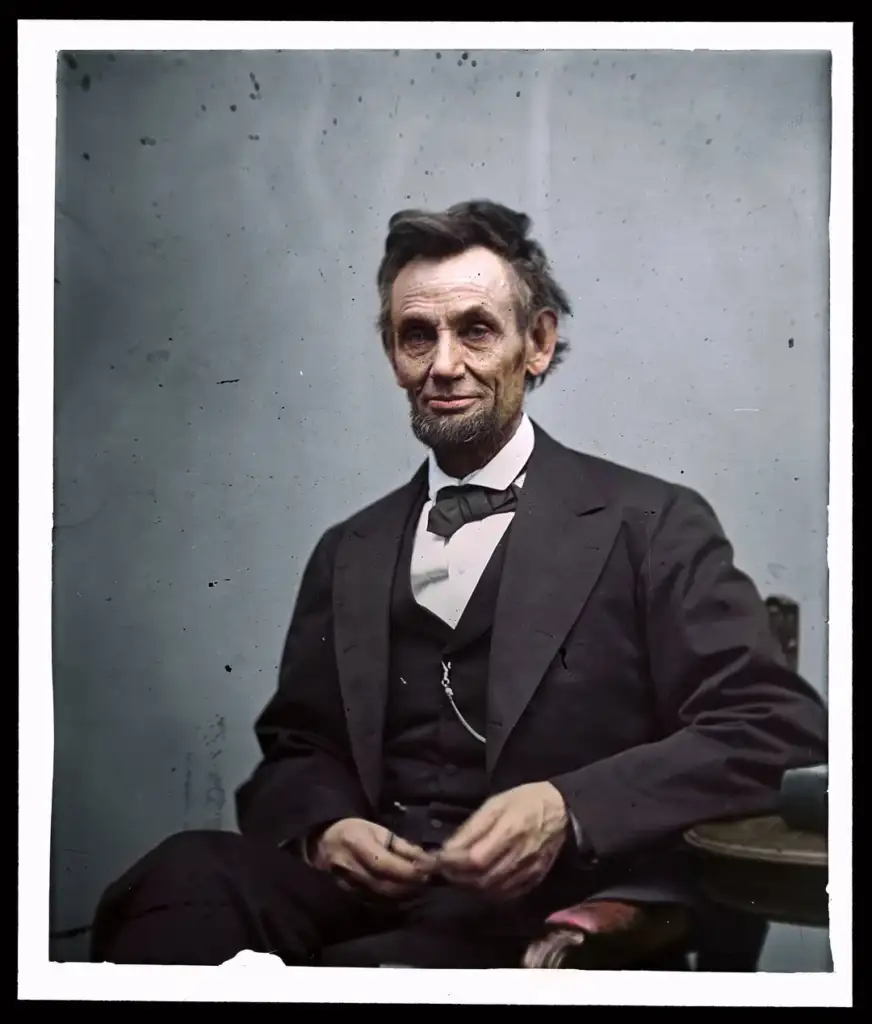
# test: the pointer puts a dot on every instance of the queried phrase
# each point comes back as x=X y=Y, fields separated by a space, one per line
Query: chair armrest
x=607 y=935
x=803 y=798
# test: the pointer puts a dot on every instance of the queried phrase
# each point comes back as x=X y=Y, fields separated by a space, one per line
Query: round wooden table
x=762 y=866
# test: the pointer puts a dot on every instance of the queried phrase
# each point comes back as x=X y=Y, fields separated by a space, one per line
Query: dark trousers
x=202 y=897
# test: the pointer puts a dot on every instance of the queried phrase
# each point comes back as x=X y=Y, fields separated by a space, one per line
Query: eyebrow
x=471 y=313
x=477 y=312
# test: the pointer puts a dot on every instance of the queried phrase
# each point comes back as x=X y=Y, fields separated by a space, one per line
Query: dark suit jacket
x=632 y=665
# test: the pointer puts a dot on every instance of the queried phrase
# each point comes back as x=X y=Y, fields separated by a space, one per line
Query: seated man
x=507 y=686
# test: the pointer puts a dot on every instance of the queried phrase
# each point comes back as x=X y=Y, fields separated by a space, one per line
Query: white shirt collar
x=502 y=470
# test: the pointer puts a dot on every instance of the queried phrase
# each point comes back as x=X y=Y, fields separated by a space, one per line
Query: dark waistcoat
x=434 y=768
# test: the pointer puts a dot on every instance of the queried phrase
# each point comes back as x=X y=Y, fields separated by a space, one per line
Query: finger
x=501 y=876
x=380 y=862
x=504 y=868
x=531 y=855
x=517 y=887
x=352 y=876
x=409 y=851
x=482 y=856
x=515 y=871
x=472 y=830
x=523 y=879
x=514 y=886
x=402 y=847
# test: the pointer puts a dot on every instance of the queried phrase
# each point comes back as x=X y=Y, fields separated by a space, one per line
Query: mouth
x=450 y=404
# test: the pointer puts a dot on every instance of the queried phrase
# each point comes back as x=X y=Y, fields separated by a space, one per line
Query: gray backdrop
x=221 y=396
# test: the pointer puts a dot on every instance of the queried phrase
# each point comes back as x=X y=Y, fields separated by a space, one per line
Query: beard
x=480 y=428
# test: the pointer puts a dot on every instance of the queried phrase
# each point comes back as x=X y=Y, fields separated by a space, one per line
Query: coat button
x=436 y=822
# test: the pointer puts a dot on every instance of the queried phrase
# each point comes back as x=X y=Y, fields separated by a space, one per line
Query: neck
x=459 y=460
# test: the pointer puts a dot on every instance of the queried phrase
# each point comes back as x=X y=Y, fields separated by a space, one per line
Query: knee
x=188 y=853
x=200 y=847
x=180 y=864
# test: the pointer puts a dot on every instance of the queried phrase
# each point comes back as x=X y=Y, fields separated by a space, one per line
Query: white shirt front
x=444 y=573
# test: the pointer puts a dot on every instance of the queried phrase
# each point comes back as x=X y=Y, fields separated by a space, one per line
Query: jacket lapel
x=364 y=570
x=560 y=538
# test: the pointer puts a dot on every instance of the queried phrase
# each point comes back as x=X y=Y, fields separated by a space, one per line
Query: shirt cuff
x=577 y=833
x=584 y=850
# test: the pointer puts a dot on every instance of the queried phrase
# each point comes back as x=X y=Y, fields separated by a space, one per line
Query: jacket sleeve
x=734 y=717
x=306 y=777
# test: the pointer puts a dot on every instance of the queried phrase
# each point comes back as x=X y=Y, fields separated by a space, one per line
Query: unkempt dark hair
x=419 y=234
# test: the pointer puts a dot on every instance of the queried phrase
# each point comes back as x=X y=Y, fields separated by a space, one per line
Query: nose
x=448 y=357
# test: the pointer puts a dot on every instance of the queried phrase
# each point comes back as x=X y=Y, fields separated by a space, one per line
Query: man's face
x=456 y=348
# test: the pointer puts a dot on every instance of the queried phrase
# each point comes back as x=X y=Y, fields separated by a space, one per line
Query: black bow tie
x=456 y=506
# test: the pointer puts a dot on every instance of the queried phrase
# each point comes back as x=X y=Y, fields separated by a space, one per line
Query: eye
x=477 y=332
x=414 y=336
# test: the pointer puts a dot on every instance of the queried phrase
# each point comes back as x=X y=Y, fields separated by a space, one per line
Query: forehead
x=475 y=277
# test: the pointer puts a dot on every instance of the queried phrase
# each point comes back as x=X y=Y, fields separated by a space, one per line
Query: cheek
x=510 y=374
x=494 y=367
x=408 y=369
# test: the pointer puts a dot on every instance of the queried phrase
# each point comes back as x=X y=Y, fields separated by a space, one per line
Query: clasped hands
x=504 y=849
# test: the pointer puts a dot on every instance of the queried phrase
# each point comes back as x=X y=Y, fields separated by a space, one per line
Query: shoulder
x=652 y=509
x=665 y=524
x=366 y=520
x=631 y=490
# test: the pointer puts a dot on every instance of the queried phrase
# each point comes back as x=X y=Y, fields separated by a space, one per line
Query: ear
x=540 y=342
